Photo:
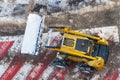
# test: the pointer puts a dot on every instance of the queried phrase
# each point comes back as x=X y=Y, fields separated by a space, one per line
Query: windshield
x=68 y=42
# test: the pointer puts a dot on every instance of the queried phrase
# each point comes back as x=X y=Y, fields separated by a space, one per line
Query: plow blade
x=32 y=34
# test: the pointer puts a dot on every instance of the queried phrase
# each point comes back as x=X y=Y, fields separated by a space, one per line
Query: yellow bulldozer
x=80 y=47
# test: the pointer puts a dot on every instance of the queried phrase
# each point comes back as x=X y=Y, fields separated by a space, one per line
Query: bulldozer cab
x=85 y=46
x=76 y=43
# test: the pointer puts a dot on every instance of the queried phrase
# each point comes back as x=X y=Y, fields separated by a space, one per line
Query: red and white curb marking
x=4 y=47
x=13 y=68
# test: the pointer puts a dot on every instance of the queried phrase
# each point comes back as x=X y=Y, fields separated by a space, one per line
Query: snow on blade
x=33 y=31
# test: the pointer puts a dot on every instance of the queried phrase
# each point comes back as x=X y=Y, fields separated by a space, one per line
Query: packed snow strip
x=23 y=72
x=31 y=40
x=11 y=19
x=105 y=32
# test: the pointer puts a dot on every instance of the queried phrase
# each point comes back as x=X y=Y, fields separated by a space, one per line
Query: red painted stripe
x=59 y=73
x=4 y=46
x=39 y=68
x=13 y=68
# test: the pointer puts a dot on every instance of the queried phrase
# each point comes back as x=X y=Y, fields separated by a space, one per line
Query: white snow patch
x=95 y=77
x=58 y=3
x=7 y=8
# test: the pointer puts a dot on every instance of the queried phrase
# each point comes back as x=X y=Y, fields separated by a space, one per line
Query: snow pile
x=31 y=40
x=7 y=8
x=63 y=5
x=109 y=32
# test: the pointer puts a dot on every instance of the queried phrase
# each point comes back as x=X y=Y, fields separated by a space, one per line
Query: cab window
x=68 y=42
